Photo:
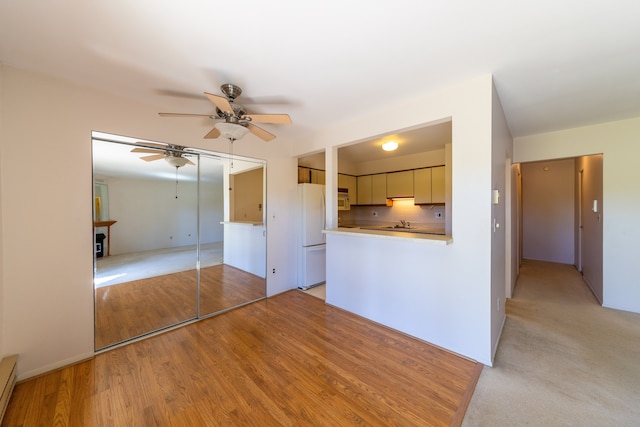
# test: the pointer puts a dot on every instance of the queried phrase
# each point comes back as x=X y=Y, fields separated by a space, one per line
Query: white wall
x=619 y=142
x=548 y=211
x=441 y=294
x=150 y=217
x=47 y=311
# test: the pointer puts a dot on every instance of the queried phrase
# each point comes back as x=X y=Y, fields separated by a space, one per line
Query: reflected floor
x=135 y=308
x=115 y=269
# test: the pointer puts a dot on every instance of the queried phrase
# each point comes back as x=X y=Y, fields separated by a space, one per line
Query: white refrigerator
x=311 y=239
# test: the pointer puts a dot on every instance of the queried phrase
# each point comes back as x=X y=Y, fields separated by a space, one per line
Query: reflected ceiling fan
x=234 y=122
x=171 y=153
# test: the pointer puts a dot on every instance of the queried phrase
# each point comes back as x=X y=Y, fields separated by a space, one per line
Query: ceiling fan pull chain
x=176 y=182
x=231 y=152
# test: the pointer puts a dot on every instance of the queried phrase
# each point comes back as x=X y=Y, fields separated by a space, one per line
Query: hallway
x=562 y=358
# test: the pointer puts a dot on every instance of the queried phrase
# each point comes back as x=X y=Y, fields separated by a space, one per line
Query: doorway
x=562 y=214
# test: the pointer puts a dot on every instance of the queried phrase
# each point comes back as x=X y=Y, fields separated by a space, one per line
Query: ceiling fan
x=234 y=120
x=171 y=153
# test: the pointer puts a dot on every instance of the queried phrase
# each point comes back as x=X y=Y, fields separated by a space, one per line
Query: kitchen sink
x=410 y=229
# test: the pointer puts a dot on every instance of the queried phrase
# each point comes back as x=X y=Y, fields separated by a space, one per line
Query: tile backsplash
x=422 y=215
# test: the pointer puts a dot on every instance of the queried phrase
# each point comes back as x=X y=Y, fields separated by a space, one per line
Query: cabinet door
x=343 y=181
x=400 y=184
x=353 y=187
x=364 y=190
x=437 y=185
x=349 y=182
x=379 y=189
x=304 y=175
x=422 y=186
x=317 y=176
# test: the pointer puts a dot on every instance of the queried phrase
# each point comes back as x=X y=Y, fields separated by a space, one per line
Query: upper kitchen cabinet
x=422 y=186
x=372 y=189
x=311 y=169
x=310 y=175
x=429 y=185
x=317 y=176
x=400 y=184
x=304 y=175
x=438 y=184
x=349 y=182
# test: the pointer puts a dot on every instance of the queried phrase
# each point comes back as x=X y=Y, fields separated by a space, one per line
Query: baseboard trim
x=23 y=376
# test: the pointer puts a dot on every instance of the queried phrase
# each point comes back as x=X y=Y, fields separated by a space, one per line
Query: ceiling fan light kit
x=235 y=122
x=232 y=131
x=175 y=161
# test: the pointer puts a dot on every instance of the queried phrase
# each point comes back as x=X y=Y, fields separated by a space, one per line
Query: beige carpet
x=563 y=360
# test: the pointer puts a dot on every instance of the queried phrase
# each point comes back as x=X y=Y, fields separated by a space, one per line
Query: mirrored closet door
x=168 y=247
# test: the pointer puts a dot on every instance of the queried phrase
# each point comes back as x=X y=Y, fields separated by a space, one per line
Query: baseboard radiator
x=7 y=381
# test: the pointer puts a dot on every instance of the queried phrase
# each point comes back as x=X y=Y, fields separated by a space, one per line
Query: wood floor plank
x=286 y=360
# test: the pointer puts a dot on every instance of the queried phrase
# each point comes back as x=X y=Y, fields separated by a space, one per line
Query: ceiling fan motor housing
x=232 y=91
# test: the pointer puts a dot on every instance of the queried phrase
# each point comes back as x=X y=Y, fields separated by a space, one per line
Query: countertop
x=370 y=231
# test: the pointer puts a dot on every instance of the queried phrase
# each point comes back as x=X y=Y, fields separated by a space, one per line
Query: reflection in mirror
x=146 y=278
x=162 y=230
x=240 y=278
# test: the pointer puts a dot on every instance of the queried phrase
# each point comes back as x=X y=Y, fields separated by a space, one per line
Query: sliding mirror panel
x=232 y=196
x=146 y=235
x=179 y=235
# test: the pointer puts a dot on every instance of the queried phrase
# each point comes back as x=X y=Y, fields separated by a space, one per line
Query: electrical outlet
x=273 y=271
x=438 y=215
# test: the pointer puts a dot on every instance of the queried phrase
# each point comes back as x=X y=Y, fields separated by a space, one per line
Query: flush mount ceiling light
x=232 y=131
x=176 y=161
x=390 y=146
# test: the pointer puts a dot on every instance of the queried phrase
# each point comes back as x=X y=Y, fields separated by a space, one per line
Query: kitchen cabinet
x=372 y=189
x=429 y=185
x=304 y=175
x=317 y=176
x=379 y=189
x=349 y=182
x=422 y=186
x=309 y=175
x=364 y=190
x=400 y=184
x=437 y=185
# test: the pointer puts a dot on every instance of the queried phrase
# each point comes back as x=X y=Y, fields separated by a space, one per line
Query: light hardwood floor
x=135 y=308
x=286 y=360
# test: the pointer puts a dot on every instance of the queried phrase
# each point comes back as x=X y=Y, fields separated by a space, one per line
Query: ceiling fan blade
x=145 y=150
x=221 y=102
x=213 y=116
x=260 y=133
x=152 y=158
x=280 y=119
x=189 y=162
x=214 y=133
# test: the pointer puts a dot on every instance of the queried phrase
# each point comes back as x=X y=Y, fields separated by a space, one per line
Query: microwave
x=343 y=200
